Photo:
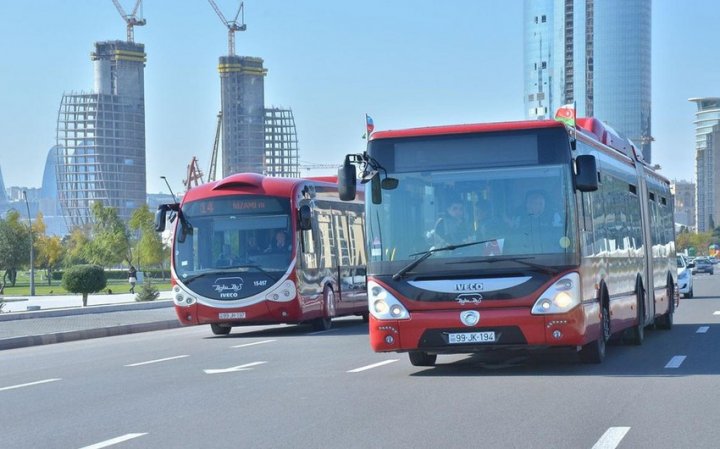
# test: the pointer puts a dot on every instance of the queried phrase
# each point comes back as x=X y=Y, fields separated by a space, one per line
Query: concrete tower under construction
x=101 y=136
x=243 y=114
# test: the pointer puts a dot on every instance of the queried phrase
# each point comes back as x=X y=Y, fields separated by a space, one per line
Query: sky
x=406 y=63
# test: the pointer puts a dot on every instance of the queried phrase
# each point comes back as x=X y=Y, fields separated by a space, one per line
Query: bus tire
x=637 y=332
x=666 y=321
x=328 y=310
x=594 y=352
x=421 y=358
x=219 y=329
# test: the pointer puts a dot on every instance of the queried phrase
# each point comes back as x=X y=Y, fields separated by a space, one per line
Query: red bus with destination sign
x=513 y=236
x=250 y=249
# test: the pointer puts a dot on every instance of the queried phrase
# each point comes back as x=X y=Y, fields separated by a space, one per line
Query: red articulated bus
x=516 y=235
x=250 y=249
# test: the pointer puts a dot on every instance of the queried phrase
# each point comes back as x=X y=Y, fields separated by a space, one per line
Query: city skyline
x=406 y=64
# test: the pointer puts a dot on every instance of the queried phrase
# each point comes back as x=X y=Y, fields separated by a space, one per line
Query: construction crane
x=216 y=147
x=130 y=19
x=312 y=166
x=194 y=174
x=232 y=25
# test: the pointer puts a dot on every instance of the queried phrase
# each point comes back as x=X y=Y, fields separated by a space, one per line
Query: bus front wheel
x=420 y=358
x=325 y=321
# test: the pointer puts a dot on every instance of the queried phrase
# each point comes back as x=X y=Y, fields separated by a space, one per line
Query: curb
x=61 y=337
x=53 y=313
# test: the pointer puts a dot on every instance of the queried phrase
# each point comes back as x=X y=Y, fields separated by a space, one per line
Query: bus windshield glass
x=518 y=209
x=233 y=234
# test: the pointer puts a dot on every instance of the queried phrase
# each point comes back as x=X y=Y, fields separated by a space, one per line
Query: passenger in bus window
x=452 y=227
x=280 y=244
x=252 y=246
x=226 y=259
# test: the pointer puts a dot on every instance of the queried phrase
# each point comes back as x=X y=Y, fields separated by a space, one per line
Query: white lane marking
x=113 y=441
x=676 y=361
x=244 y=367
x=253 y=344
x=12 y=387
x=324 y=332
x=611 y=438
x=702 y=329
x=158 y=360
x=717 y=312
x=374 y=365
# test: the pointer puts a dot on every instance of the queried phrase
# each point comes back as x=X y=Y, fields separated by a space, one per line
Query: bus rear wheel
x=421 y=358
x=219 y=329
x=666 y=321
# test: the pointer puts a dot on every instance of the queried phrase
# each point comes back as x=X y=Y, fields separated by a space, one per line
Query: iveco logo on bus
x=469 y=287
x=228 y=287
x=469 y=298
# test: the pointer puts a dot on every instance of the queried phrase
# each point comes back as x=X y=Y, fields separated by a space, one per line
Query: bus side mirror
x=304 y=218
x=347 y=181
x=586 y=178
x=160 y=217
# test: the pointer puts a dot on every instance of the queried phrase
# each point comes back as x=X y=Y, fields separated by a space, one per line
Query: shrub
x=84 y=279
x=147 y=292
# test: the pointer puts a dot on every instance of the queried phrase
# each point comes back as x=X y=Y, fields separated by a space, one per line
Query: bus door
x=649 y=279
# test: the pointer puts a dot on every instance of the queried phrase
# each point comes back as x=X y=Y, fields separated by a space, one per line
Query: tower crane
x=232 y=25
x=216 y=146
x=131 y=20
x=312 y=166
x=194 y=174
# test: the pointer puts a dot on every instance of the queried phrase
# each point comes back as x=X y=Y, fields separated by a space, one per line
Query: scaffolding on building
x=281 y=144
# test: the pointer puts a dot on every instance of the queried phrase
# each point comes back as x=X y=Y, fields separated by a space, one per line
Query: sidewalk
x=39 y=320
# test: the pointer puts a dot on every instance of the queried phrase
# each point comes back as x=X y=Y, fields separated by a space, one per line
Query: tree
x=149 y=248
x=84 y=279
x=50 y=254
x=110 y=242
x=14 y=246
x=75 y=247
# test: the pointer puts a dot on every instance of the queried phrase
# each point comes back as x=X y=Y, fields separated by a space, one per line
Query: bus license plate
x=471 y=337
x=231 y=316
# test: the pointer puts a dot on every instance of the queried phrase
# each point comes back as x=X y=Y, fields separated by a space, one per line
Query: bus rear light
x=560 y=297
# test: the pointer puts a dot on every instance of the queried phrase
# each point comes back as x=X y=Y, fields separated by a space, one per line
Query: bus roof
x=465 y=129
x=254 y=183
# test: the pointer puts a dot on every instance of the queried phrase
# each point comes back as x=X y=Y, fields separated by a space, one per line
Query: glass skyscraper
x=707 y=163
x=595 y=54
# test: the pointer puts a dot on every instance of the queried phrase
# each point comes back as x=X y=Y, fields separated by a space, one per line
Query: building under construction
x=101 y=136
x=281 y=144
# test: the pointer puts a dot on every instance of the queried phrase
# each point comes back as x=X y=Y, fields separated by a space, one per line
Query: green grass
x=22 y=287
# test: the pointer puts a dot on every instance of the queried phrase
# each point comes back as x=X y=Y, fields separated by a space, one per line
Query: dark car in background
x=703 y=265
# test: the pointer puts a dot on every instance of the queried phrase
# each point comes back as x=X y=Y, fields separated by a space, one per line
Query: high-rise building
x=101 y=136
x=684 y=193
x=707 y=163
x=595 y=54
x=48 y=202
x=242 y=95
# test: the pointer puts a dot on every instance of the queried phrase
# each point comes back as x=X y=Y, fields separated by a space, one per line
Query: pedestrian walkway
x=38 y=320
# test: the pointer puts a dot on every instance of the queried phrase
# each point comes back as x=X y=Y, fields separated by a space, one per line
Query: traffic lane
x=300 y=382
x=115 y=393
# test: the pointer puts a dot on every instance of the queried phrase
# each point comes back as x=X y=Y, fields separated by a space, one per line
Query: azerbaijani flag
x=369 y=123
x=566 y=114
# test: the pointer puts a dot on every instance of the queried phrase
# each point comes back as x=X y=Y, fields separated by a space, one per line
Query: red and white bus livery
x=250 y=249
x=513 y=235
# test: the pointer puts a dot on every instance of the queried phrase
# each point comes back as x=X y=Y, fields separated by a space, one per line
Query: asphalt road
x=290 y=387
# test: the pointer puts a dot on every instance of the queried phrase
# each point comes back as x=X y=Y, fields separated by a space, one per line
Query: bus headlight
x=560 y=297
x=183 y=298
x=283 y=293
x=383 y=305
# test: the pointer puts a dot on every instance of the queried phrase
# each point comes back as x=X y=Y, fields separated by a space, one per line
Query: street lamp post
x=32 y=248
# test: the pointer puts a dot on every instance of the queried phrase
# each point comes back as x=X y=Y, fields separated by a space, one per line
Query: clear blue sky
x=406 y=63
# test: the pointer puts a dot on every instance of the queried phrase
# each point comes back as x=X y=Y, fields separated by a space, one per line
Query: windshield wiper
x=257 y=267
x=520 y=260
x=425 y=254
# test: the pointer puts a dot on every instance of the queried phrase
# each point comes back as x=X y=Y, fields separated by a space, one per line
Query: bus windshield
x=521 y=213
x=241 y=233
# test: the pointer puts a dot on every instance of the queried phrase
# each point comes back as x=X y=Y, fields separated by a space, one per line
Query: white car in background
x=685 y=277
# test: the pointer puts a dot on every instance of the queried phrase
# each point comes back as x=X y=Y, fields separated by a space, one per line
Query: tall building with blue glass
x=595 y=54
x=707 y=163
